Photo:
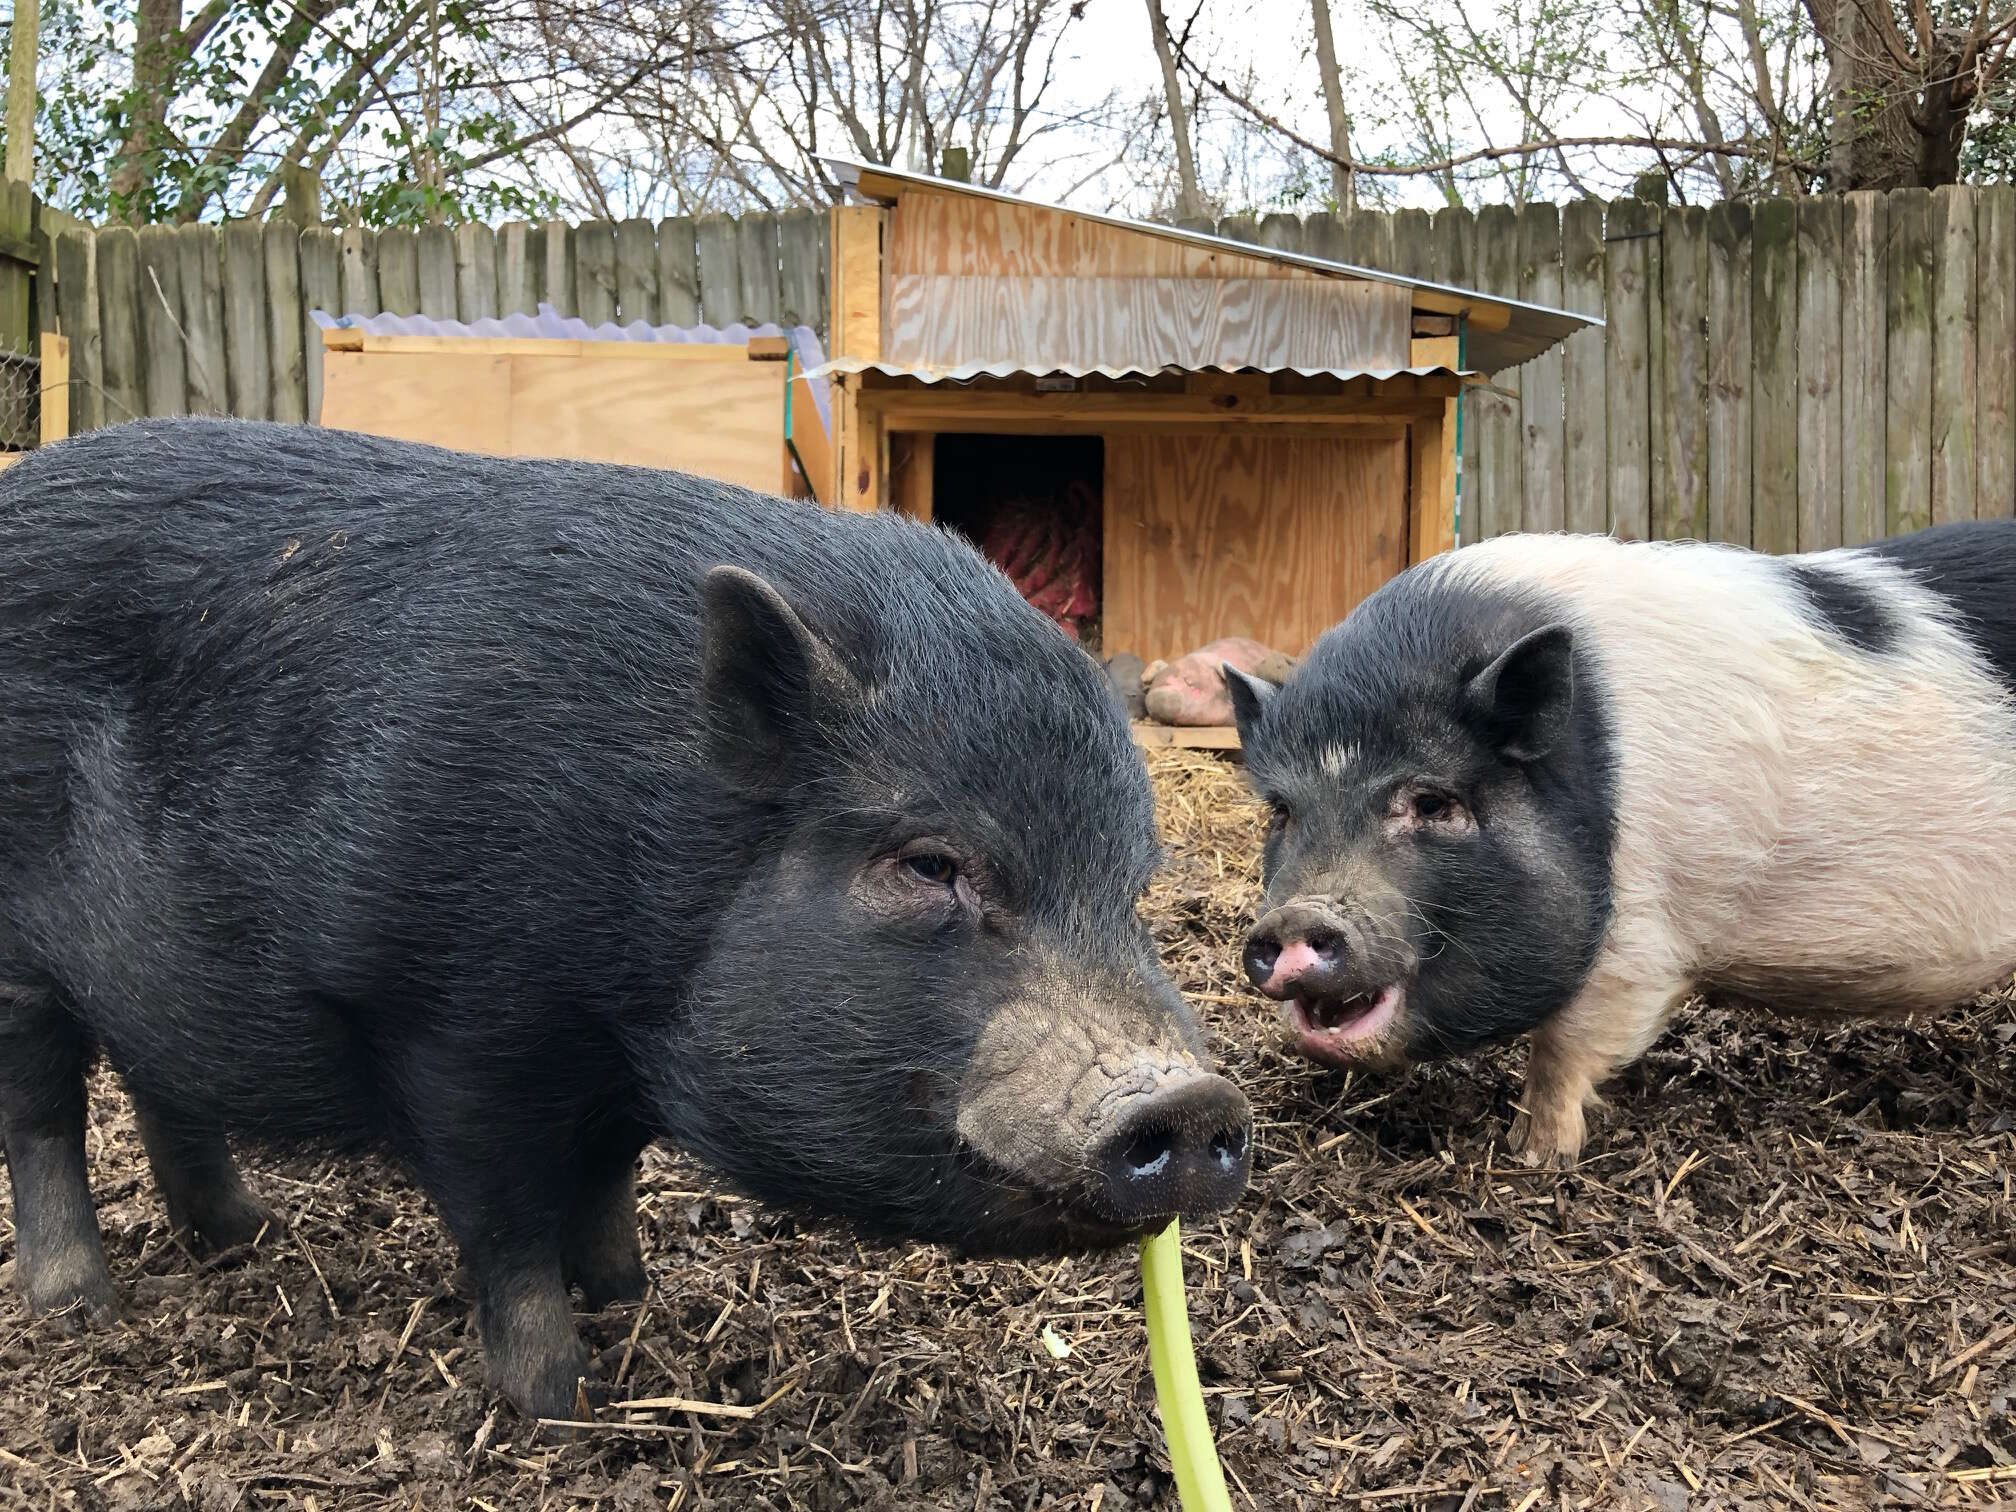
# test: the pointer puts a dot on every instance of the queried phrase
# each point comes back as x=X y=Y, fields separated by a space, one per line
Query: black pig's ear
x=1249 y=698
x=1524 y=699
x=764 y=679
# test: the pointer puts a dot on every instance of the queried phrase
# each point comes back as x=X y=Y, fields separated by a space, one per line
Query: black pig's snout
x=1182 y=1150
x=1298 y=950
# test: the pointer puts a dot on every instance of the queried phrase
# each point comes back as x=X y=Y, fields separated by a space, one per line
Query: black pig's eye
x=1439 y=811
x=931 y=866
x=1277 y=816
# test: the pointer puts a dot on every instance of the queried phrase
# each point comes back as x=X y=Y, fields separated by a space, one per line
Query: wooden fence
x=208 y=320
x=1786 y=374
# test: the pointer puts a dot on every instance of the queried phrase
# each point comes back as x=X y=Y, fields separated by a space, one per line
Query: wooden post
x=55 y=387
x=855 y=295
x=913 y=462
x=1432 y=528
x=26 y=43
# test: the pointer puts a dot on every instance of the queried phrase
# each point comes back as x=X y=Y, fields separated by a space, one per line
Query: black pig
x=510 y=814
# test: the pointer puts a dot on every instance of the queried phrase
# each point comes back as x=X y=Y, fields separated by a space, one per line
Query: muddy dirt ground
x=1785 y=1276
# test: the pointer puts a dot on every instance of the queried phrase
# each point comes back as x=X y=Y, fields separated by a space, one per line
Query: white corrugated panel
x=966 y=372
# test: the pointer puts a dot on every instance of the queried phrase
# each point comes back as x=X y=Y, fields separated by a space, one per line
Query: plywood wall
x=722 y=420
x=1247 y=534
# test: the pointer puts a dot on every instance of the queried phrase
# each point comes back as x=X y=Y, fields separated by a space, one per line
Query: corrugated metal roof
x=967 y=372
x=1530 y=329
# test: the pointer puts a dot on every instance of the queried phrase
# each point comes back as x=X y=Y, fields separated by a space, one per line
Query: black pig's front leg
x=599 y=1251
x=208 y=1206
x=533 y=1357
x=506 y=1199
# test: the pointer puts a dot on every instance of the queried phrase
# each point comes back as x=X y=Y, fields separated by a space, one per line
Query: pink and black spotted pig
x=1557 y=784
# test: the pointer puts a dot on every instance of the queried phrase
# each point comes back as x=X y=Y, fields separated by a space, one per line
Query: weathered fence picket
x=1680 y=481
x=1954 y=389
x=1628 y=232
x=165 y=380
x=1865 y=357
x=1774 y=388
x=1817 y=444
x=202 y=267
x=1995 y=347
x=1584 y=411
x=1543 y=480
x=637 y=271
x=1496 y=414
x=1908 y=322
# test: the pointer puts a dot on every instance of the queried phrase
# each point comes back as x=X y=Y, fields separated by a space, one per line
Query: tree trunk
x=1871 y=143
x=1943 y=110
x=156 y=47
x=1189 y=199
x=1343 y=182
x=21 y=92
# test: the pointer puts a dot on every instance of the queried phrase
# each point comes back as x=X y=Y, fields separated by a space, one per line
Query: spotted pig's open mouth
x=1343 y=1030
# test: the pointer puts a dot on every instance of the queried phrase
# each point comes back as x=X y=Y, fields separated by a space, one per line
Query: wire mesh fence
x=20 y=402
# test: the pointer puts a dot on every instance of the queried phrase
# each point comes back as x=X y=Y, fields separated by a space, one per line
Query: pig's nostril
x=1228 y=1148
x=1261 y=954
x=1326 y=944
x=1147 y=1153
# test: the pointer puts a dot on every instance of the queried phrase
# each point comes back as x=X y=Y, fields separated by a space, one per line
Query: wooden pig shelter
x=1266 y=437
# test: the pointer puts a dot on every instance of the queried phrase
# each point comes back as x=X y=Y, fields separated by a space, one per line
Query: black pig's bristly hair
x=353 y=791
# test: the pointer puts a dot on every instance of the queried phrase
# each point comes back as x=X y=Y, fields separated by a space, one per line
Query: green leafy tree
x=403 y=110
